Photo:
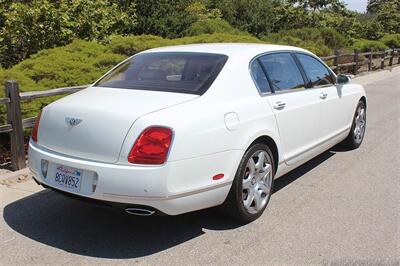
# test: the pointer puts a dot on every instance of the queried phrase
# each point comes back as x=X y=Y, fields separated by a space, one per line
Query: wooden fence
x=358 y=60
x=16 y=124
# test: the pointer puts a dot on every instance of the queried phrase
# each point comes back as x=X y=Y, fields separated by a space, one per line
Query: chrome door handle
x=323 y=95
x=279 y=105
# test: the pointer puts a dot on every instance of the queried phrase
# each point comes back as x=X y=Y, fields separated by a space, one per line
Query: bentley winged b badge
x=72 y=121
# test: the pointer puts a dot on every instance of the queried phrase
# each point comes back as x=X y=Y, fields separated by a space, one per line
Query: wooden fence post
x=14 y=118
x=355 y=66
x=398 y=56
x=383 y=59
x=336 y=61
x=391 y=57
x=370 y=56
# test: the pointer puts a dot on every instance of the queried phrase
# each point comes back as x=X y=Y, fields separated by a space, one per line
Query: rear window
x=172 y=72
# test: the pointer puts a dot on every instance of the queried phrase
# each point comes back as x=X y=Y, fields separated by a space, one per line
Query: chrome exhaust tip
x=139 y=212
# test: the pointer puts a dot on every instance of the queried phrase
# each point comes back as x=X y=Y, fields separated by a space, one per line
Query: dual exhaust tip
x=139 y=211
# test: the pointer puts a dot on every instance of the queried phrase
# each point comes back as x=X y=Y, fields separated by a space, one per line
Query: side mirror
x=343 y=79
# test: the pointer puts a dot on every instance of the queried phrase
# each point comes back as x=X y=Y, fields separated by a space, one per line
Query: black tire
x=352 y=141
x=234 y=206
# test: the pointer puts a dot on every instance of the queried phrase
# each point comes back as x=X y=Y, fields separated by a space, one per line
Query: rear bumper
x=173 y=188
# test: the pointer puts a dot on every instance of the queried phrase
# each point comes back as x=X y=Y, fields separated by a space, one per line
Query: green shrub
x=368 y=45
x=333 y=39
x=371 y=29
x=216 y=38
x=210 y=26
x=129 y=45
x=80 y=62
x=317 y=48
x=319 y=41
x=29 y=26
x=391 y=40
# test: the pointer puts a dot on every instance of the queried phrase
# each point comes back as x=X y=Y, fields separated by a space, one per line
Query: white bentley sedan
x=177 y=129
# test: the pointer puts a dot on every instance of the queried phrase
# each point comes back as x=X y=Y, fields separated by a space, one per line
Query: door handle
x=279 y=105
x=323 y=95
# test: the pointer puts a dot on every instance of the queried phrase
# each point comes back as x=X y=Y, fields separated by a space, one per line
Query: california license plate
x=68 y=177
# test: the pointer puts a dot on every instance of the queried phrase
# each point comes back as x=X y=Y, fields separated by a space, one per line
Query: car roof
x=230 y=49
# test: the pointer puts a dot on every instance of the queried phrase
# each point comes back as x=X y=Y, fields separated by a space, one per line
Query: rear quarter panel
x=199 y=125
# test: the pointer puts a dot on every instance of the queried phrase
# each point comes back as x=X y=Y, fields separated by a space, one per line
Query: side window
x=259 y=77
x=318 y=74
x=282 y=71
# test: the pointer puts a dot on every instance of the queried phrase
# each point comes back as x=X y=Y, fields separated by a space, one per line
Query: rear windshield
x=172 y=72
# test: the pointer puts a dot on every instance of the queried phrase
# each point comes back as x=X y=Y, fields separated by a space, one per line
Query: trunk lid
x=93 y=123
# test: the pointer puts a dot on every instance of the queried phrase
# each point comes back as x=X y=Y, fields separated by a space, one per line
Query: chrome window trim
x=262 y=94
x=331 y=72
x=291 y=90
x=276 y=92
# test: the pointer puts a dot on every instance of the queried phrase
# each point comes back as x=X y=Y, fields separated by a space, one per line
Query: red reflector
x=35 y=129
x=152 y=146
x=217 y=177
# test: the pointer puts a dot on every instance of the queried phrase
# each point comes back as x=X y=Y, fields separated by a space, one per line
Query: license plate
x=68 y=177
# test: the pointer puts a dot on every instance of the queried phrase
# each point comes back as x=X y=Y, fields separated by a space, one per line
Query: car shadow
x=67 y=224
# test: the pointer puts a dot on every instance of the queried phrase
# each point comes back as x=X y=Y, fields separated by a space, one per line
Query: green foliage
x=210 y=26
x=369 y=45
x=387 y=14
x=216 y=38
x=257 y=17
x=333 y=39
x=166 y=18
x=29 y=26
x=261 y=17
x=129 y=45
x=80 y=62
x=372 y=29
x=320 y=41
x=319 y=4
x=201 y=12
x=391 y=40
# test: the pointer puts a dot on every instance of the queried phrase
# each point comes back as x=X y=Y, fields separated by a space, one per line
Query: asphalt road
x=342 y=207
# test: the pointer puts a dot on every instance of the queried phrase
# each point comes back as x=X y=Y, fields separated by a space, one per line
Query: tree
x=257 y=17
x=319 y=4
x=387 y=13
x=29 y=26
x=373 y=5
x=167 y=18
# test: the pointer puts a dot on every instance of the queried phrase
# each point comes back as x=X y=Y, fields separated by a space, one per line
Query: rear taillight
x=152 y=146
x=36 y=128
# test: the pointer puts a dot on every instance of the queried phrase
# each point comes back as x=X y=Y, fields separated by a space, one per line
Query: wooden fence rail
x=15 y=124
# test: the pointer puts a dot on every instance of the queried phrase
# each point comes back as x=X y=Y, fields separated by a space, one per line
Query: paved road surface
x=342 y=207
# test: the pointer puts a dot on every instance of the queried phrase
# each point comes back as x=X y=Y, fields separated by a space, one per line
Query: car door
x=334 y=113
x=297 y=109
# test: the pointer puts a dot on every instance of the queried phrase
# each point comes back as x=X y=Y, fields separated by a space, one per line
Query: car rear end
x=83 y=144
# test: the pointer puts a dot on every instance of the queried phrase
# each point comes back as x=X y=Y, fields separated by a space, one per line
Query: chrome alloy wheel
x=360 y=122
x=257 y=182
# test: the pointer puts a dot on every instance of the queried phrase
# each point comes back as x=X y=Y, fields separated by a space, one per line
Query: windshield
x=166 y=71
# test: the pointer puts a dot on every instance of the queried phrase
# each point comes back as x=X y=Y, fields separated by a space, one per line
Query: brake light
x=35 y=129
x=152 y=146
